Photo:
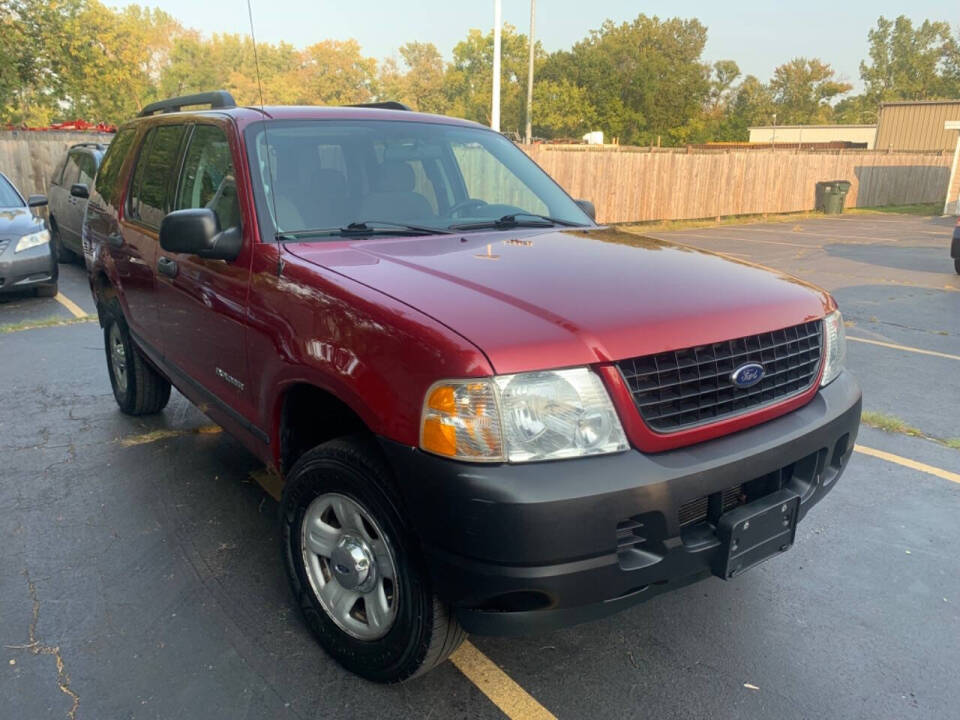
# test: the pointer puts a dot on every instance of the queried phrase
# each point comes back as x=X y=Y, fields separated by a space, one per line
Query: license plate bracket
x=756 y=532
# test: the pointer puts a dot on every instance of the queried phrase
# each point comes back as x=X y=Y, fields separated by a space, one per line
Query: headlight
x=835 y=347
x=521 y=418
x=32 y=240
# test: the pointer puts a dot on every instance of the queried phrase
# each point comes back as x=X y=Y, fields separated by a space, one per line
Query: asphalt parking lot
x=140 y=574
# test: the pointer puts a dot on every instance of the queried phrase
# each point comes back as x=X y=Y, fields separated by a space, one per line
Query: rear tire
x=46 y=291
x=137 y=387
x=422 y=632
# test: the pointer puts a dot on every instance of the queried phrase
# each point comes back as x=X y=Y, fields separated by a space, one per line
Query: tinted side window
x=72 y=170
x=88 y=168
x=149 y=199
x=107 y=179
x=208 y=179
x=58 y=172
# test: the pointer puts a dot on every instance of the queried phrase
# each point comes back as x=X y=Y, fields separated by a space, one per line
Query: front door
x=201 y=302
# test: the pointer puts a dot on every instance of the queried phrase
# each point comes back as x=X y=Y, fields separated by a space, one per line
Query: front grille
x=697 y=510
x=3 y=245
x=689 y=387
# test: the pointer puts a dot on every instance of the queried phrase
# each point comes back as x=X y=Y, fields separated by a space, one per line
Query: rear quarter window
x=108 y=179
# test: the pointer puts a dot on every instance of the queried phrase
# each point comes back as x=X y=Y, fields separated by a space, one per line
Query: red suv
x=490 y=414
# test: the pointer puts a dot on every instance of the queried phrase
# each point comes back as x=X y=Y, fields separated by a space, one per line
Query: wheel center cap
x=352 y=564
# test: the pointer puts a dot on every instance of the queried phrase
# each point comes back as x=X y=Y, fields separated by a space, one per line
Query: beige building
x=813 y=134
x=951 y=205
x=917 y=125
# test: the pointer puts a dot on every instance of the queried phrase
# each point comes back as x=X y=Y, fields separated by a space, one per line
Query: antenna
x=266 y=140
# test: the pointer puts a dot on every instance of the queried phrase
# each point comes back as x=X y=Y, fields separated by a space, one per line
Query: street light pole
x=532 y=42
x=495 y=111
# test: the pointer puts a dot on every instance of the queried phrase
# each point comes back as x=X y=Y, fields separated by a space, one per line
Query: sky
x=757 y=35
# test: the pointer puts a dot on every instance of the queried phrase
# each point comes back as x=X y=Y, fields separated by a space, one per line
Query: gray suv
x=68 y=195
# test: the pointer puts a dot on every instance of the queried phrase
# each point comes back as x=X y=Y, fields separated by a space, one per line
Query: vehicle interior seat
x=320 y=201
x=394 y=197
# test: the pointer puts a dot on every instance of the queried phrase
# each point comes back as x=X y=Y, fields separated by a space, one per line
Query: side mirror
x=80 y=190
x=37 y=200
x=196 y=231
x=588 y=208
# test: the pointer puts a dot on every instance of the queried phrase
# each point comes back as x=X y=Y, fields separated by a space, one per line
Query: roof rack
x=385 y=105
x=98 y=146
x=215 y=99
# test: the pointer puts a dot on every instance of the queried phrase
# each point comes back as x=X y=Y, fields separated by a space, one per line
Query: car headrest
x=329 y=182
x=396 y=176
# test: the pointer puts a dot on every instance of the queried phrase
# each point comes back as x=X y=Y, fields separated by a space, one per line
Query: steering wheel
x=464 y=204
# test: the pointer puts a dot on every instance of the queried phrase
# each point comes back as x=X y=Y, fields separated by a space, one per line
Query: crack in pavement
x=36 y=647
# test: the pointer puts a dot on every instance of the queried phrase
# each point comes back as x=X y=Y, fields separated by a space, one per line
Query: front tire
x=64 y=254
x=46 y=291
x=355 y=567
x=137 y=387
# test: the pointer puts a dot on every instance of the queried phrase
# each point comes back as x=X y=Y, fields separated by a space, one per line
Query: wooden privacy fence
x=632 y=186
x=628 y=184
x=28 y=157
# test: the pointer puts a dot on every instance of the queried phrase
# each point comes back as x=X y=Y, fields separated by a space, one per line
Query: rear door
x=61 y=202
x=72 y=222
x=135 y=253
x=202 y=302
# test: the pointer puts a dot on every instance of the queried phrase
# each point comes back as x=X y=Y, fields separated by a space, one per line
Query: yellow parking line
x=905 y=347
x=70 y=305
x=907 y=462
x=515 y=702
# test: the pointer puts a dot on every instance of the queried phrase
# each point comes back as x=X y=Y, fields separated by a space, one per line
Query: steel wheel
x=350 y=566
x=118 y=358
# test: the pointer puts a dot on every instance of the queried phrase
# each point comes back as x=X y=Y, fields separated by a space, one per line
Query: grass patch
x=925 y=209
x=893 y=424
x=934 y=208
x=43 y=323
x=725 y=220
x=889 y=423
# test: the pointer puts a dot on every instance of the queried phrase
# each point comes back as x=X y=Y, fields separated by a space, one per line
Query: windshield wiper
x=512 y=220
x=363 y=229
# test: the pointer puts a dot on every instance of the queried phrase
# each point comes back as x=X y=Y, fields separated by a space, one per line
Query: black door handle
x=168 y=267
x=115 y=240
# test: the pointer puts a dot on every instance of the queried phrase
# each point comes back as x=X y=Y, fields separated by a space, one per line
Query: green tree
x=802 y=90
x=469 y=78
x=113 y=60
x=334 y=72
x=645 y=77
x=751 y=103
x=911 y=63
x=562 y=109
x=419 y=82
x=33 y=38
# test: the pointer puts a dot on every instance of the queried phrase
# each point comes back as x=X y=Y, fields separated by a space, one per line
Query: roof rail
x=98 y=146
x=215 y=99
x=385 y=105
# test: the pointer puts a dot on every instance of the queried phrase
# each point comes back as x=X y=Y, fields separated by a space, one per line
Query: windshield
x=323 y=174
x=8 y=196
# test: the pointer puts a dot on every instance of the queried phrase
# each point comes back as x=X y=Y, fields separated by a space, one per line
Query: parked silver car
x=27 y=261
x=69 y=194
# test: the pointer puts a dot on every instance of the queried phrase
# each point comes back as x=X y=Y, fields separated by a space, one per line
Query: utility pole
x=533 y=15
x=495 y=111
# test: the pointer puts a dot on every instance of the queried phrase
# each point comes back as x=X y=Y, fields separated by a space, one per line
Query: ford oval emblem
x=747 y=375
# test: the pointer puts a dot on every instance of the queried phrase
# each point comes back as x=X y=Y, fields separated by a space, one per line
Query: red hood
x=544 y=299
